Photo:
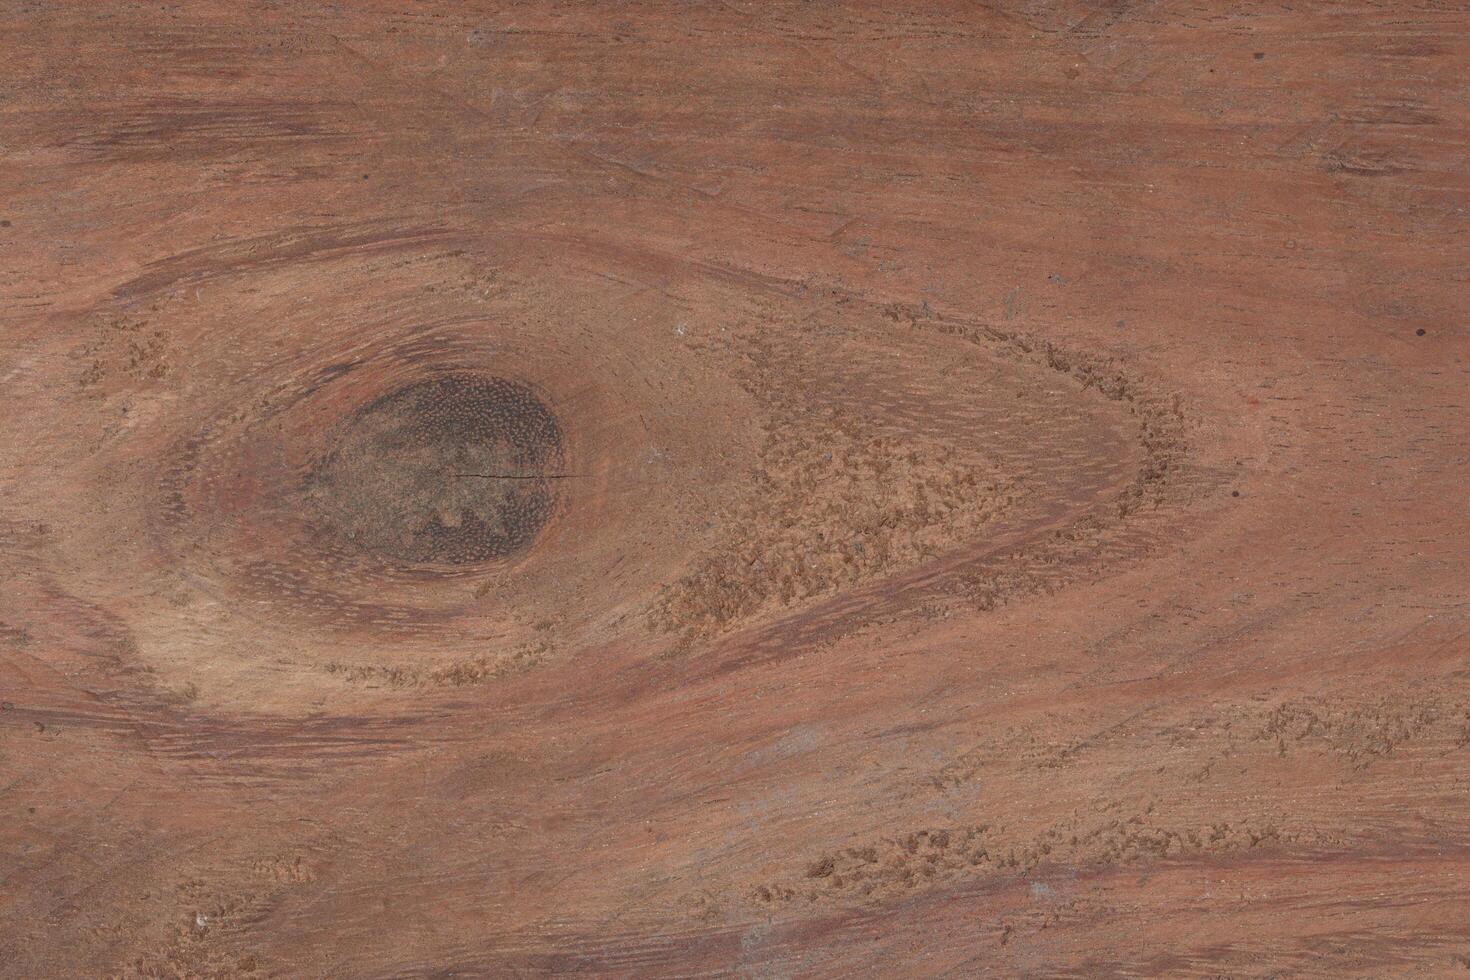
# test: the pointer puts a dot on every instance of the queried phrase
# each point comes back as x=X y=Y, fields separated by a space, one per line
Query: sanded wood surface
x=734 y=489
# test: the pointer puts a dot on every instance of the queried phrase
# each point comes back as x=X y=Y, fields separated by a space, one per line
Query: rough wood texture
x=783 y=489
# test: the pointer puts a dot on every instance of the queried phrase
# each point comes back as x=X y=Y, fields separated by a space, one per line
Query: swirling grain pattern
x=711 y=489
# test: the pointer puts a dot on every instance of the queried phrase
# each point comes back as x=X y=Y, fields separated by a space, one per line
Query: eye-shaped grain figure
x=669 y=490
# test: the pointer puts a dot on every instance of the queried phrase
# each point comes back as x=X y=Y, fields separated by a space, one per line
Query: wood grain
x=995 y=489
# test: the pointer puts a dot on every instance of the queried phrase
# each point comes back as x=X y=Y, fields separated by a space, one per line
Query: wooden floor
x=734 y=489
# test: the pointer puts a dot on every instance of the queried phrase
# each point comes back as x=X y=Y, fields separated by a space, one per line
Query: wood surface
x=734 y=489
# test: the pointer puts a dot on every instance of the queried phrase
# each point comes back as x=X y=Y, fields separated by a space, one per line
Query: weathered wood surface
x=1009 y=513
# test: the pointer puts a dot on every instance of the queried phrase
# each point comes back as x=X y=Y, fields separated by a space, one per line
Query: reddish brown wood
x=1009 y=505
